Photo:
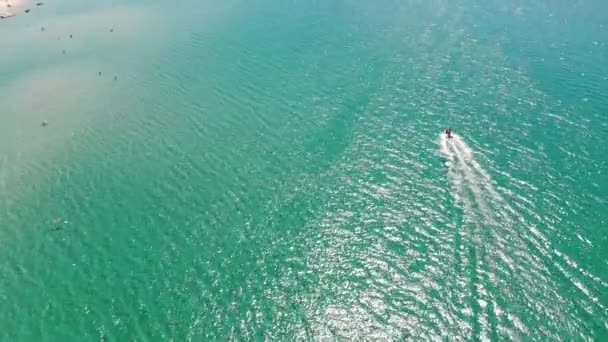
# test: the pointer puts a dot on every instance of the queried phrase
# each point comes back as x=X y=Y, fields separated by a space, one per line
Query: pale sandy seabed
x=63 y=90
x=11 y=7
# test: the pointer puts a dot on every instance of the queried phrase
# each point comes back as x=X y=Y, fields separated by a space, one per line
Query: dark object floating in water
x=100 y=73
x=44 y=123
x=70 y=36
x=58 y=223
x=111 y=30
x=115 y=78
x=27 y=10
x=42 y=28
x=40 y=4
x=6 y=15
x=63 y=51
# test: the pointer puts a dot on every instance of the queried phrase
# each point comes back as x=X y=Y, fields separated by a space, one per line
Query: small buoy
x=44 y=123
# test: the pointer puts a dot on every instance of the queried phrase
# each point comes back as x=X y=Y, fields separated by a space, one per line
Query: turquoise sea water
x=263 y=170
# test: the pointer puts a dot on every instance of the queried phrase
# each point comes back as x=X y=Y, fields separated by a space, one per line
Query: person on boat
x=448 y=132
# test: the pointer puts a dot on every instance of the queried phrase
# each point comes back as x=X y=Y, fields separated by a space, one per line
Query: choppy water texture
x=252 y=170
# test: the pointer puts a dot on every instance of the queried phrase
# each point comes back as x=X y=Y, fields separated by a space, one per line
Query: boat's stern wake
x=471 y=185
x=501 y=240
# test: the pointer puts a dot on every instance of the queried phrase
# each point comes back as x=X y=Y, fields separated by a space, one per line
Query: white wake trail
x=454 y=175
x=470 y=179
x=503 y=209
x=468 y=175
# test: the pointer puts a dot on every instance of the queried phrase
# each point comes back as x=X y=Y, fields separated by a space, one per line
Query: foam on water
x=463 y=165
